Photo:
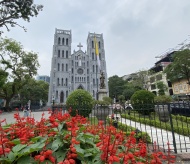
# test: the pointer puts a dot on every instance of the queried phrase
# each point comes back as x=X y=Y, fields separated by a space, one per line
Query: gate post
x=172 y=129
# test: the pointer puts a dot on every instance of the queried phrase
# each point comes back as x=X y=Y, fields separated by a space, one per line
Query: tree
x=141 y=80
x=116 y=86
x=180 y=67
x=161 y=88
x=3 y=77
x=81 y=102
x=129 y=90
x=34 y=91
x=143 y=101
x=18 y=64
x=17 y=9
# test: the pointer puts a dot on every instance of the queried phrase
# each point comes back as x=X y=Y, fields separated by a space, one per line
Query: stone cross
x=80 y=45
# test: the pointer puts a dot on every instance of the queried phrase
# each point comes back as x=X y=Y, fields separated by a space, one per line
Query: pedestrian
x=26 y=111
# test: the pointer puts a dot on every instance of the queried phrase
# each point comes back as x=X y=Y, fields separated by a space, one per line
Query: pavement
x=9 y=116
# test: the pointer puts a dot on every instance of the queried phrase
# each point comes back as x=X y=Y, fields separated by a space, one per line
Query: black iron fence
x=164 y=126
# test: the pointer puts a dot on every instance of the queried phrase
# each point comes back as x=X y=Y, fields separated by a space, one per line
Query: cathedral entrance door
x=80 y=87
x=61 y=97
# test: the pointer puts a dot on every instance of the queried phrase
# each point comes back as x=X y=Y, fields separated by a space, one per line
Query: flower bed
x=63 y=139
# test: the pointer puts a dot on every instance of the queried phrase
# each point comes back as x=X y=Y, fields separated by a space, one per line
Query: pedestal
x=102 y=93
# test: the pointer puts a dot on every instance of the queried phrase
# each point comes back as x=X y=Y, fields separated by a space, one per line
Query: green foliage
x=35 y=91
x=162 y=99
x=116 y=86
x=108 y=100
x=13 y=10
x=180 y=67
x=161 y=88
x=3 y=77
x=81 y=101
x=20 y=65
x=143 y=101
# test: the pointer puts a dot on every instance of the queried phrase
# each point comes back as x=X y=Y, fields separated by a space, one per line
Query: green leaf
x=35 y=139
x=24 y=159
x=60 y=154
x=88 y=154
x=16 y=141
x=11 y=156
x=37 y=146
x=18 y=147
x=60 y=127
x=79 y=150
x=56 y=144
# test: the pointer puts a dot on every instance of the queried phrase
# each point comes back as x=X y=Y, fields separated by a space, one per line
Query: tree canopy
x=116 y=86
x=19 y=66
x=17 y=9
x=34 y=91
x=180 y=67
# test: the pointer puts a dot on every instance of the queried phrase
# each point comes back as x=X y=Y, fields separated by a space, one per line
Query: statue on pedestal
x=102 y=83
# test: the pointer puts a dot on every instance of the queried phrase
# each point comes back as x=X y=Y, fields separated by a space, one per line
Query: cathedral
x=77 y=70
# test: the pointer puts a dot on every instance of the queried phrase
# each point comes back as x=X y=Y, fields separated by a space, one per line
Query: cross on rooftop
x=80 y=45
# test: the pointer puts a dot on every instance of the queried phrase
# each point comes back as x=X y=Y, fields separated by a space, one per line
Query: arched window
x=92 y=44
x=96 y=68
x=67 y=41
x=93 y=93
x=56 y=94
x=66 y=82
x=100 y=56
x=66 y=94
x=59 y=40
x=93 y=68
x=62 y=67
x=66 y=54
x=72 y=70
x=58 y=67
x=99 y=45
x=62 y=53
x=58 y=53
x=57 y=81
x=61 y=97
x=63 y=41
x=62 y=81
x=87 y=71
x=93 y=56
x=87 y=78
x=66 y=67
x=72 y=78
x=93 y=81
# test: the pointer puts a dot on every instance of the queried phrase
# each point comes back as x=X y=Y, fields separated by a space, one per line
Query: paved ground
x=10 y=116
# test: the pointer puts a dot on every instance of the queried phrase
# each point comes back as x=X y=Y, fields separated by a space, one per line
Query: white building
x=77 y=70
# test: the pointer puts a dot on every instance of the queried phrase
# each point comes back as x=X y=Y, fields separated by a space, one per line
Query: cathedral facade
x=77 y=70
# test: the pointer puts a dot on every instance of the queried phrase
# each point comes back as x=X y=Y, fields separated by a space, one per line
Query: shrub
x=162 y=99
x=143 y=101
x=81 y=102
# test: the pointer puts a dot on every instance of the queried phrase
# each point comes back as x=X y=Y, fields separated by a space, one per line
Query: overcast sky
x=134 y=31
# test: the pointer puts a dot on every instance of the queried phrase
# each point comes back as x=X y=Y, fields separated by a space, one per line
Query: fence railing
x=166 y=126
